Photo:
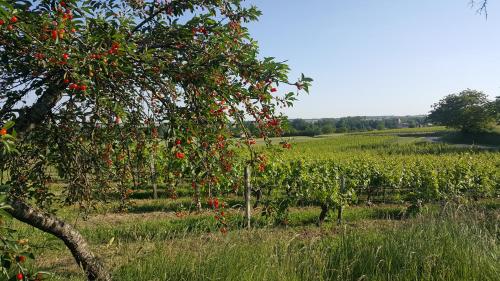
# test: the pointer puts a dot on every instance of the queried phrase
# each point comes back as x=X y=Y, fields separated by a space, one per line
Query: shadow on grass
x=180 y=204
x=422 y=134
x=171 y=228
x=389 y=213
x=487 y=138
x=146 y=192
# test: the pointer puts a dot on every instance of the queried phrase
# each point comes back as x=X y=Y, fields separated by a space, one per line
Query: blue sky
x=381 y=57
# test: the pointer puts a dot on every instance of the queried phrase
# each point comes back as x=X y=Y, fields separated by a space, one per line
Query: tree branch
x=33 y=116
x=483 y=7
x=71 y=237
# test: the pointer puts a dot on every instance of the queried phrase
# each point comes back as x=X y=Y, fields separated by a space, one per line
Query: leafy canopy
x=470 y=111
x=95 y=85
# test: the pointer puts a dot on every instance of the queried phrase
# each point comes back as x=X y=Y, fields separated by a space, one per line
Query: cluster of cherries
x=20 y=259
x=112 y=51
x=179 y=154
x=201 y=29
x=12 y=21
x=65 y=14
x=214 y=203
x=76 y=87
x=262 y=160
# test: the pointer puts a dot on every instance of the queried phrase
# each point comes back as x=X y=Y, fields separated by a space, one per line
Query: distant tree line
x=303 y=127
x=469 y=111
x=314 y=127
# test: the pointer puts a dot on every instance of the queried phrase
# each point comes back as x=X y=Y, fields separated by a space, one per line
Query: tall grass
x=443 y=247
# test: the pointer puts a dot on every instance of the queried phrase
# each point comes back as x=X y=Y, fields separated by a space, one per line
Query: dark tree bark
x=322 y=215
x=67 y=233
x=258 y=197
x=339 y=215
x=32 y=116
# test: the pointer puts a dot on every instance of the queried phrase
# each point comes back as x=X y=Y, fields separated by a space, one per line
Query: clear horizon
x=381 y=58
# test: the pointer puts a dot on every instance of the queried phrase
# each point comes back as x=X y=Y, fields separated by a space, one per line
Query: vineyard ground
x=166 y=239
x=442 y=243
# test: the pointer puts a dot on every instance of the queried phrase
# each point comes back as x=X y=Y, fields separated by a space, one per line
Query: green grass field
x=166 y=239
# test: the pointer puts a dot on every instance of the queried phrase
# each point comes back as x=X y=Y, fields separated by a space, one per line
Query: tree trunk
x=248 y=192
x=68 y=234
x=258 y=197
x=322 y=215
x=339 y=215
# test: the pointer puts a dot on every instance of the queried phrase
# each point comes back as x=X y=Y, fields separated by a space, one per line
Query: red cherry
x=170 y=10
x=180 y=155
x=83 y=88
x=177 y=142
x=65 y=56
x=274 y=122
x=223 y=230
x=273 y=90
x=2 y=22
x=10 y=27
x=3 y=131
x=73 y=87
x=20 y=276
x=21 y=259
x=54 y=34
x=73 y=30
x=63 y=4
x=66 y=81
x=13 y=19
x=262 y=167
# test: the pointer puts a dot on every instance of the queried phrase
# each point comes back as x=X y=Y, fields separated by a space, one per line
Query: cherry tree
x=89 y=85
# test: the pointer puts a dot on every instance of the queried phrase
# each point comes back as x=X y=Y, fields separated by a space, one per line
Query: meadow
x=411 y=210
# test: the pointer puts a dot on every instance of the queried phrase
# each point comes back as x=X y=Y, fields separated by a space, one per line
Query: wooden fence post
x=248 y=191
x=342 y=191
x=153 y=176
